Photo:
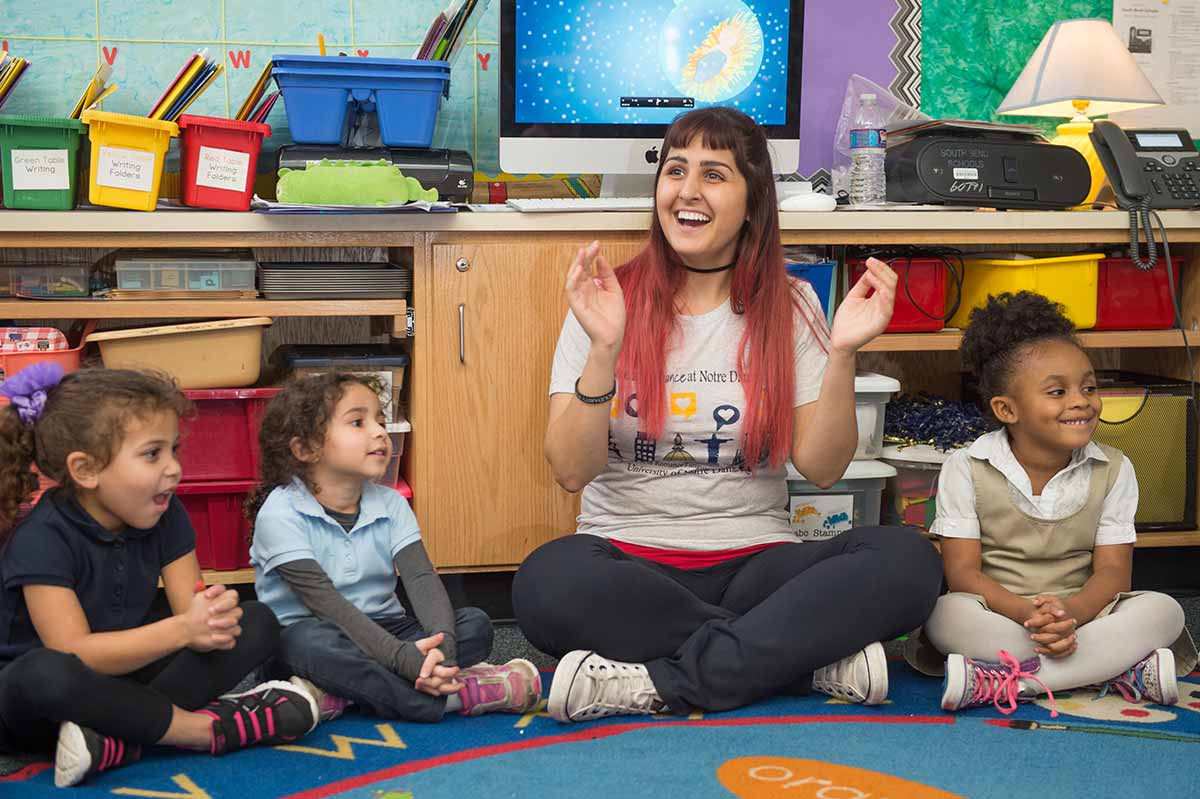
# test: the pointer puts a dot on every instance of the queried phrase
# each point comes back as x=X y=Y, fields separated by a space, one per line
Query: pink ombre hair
x=761 y=292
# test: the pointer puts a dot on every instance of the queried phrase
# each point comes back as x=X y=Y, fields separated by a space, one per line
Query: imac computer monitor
x=590 y=86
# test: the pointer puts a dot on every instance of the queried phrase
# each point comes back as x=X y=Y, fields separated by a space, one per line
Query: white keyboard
x=577 y=204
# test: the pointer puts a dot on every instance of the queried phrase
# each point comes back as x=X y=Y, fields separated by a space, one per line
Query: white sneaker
x=860 y=678
x=587 y=686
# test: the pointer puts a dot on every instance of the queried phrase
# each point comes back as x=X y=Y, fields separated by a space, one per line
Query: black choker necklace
x=710 y=271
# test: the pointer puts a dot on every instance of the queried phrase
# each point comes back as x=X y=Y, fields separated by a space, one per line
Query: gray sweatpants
x=961 y=624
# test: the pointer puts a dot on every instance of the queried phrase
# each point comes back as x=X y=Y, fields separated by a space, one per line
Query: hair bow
x=27 y=389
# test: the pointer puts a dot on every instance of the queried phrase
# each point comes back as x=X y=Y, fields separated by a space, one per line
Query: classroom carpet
x=809 y=747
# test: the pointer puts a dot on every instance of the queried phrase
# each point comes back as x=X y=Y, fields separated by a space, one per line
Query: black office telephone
x=1149 y=169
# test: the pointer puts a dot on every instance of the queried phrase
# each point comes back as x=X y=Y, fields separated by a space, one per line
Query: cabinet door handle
x=462 y=332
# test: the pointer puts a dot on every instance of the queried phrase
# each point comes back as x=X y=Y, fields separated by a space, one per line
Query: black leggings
x=724 y=636
x=44 y=687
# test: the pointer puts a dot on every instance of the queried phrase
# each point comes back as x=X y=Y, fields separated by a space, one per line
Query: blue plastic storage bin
x=821 y=277
x=319 y=90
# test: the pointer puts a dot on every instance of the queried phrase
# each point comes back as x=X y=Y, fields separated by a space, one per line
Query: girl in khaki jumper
x=1036 y=525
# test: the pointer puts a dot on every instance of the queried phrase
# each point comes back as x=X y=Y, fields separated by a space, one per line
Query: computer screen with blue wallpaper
x=624 y=69
x=583 y=62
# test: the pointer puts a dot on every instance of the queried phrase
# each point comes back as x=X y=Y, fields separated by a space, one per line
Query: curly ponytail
x=17 y=480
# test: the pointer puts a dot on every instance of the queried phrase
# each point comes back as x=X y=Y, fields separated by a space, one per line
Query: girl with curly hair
x=90 y=657
x=1036 y=524
x=327 y=545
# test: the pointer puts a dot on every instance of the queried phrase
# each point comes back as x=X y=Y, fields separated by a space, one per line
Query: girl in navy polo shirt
x=328 y=544
x=88 y=656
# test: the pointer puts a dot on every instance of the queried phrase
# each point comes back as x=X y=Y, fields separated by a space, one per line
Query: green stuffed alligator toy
x=350 y=183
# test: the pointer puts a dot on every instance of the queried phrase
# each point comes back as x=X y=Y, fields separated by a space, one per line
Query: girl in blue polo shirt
x=328 y=544
x=88 y=655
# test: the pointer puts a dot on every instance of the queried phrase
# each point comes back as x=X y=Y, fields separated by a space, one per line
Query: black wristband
x=603 y=398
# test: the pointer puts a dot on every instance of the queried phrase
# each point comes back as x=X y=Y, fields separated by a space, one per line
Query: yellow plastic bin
x=221 y=354
x=1069 y=279
x=127 y=159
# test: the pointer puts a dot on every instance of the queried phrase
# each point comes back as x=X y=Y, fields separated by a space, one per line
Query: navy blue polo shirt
x=115 y=576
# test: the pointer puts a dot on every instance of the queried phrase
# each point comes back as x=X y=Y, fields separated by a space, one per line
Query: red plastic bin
x=69 y=360
x=221 y=441
x=218 y=158
x=222 y=531
x=927 y=286
x=1128 y=298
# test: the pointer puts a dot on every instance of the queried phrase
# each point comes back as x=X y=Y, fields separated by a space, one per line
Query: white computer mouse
x=808 y=201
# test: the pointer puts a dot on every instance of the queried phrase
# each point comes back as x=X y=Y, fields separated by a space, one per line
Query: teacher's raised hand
x=596 y=297
x=866 y=310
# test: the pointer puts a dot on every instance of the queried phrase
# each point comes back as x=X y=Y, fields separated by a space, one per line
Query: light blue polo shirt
x=292 y=525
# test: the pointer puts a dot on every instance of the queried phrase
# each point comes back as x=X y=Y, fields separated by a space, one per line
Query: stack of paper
x=255 y=107
x=12 y=69
x=192 y=79
x=450 y=29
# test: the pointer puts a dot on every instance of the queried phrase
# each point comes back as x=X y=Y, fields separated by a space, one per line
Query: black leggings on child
x=44 y=687
x=724 y=636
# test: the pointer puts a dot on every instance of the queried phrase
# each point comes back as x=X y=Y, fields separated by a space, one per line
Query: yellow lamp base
x=1075 y=135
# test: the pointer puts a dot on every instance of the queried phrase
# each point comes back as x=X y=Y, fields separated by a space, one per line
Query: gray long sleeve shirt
x=425 y=592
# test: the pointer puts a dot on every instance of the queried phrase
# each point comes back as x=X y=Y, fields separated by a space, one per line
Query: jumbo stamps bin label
x=816 y=517
x=125 y=169
x=41 y=170
x=222 y=169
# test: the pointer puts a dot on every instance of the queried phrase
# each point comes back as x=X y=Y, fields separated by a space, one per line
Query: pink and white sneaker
x=514 y=687
x=82 y=752
x=1152 y=677
x=274 y=712
x=974 y=683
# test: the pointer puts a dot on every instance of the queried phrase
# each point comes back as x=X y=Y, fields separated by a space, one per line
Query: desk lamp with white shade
x=1081 y=69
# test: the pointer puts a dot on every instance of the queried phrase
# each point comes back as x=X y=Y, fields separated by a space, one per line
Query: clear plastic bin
x=911 y=496
x=871 y=393
x=397 y=430
x=52 y=280
x=8 y=281
x=185 y=274
x=382 y=362
x=818 y=514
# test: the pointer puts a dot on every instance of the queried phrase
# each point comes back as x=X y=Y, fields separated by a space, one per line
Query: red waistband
x=689 y=558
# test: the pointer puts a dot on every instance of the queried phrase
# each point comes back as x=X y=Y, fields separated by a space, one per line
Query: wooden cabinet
x=488 y=302
x=487 y=325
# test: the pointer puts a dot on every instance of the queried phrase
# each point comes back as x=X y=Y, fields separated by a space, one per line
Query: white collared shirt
x=1064 y=495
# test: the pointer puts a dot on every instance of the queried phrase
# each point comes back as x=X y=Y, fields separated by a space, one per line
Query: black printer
x=962 y=162
x=451 y=172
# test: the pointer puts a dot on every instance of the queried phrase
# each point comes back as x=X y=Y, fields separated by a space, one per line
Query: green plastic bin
x=39 y=159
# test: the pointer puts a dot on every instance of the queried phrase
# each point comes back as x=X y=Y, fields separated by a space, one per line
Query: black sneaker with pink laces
x=274 y=712
x=82 y=752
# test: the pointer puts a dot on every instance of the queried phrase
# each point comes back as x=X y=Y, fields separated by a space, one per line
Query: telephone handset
x=1148 y=169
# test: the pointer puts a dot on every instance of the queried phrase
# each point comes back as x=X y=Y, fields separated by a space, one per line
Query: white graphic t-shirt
x=689 y=488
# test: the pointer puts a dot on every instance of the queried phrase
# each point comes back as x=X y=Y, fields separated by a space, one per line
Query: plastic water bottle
x=867 y=150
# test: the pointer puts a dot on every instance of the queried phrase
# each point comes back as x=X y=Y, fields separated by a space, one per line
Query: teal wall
x=973 y=50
